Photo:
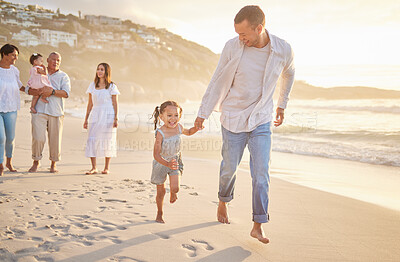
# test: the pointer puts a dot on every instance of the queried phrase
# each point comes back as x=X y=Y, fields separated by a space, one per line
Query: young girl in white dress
x=102 y=118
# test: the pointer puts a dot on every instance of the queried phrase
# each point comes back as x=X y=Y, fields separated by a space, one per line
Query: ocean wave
x=393 y=109
x=361 y=152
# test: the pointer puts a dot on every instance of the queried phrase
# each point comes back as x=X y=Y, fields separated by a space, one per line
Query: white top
x=246 y=89
x=9 y=89
x=280 y=63
x=102 y=97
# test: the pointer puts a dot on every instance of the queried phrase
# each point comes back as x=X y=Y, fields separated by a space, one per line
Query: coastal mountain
x=302 y=90
x=148 y=64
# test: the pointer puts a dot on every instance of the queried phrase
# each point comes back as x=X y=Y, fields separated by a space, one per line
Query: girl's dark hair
x=8 y=49
x=160 y=109
x=107 y=75
x=34 y=56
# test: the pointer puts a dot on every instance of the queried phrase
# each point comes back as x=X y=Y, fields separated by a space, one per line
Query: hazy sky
x=323 y=33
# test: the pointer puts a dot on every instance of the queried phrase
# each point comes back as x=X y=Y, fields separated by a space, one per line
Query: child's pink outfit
x=37 y=80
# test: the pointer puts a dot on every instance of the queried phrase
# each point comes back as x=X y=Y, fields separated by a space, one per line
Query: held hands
x=198 y=123
x=279 y=116
x=173 y=164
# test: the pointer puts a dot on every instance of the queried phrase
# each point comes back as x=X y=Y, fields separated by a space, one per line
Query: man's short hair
x=55 y=53
x=253 y=14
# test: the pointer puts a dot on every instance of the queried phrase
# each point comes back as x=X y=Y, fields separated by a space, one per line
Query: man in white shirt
x=241 y=89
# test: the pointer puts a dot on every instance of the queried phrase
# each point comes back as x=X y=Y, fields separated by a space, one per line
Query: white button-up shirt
x=279 y=63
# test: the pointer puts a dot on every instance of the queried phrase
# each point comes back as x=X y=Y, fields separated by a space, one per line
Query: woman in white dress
x=102 y=118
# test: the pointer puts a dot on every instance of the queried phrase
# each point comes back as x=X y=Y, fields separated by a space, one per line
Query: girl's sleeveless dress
x=170 y=148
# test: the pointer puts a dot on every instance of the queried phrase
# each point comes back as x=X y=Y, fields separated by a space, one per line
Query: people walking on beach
x=241 y=89
x=167 y=152
x=102 y=119
x=38 y=78
x=49 y=116
x=10 y=85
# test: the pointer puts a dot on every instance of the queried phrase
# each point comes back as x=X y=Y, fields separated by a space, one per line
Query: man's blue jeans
x=7 y=133
x=259 y=144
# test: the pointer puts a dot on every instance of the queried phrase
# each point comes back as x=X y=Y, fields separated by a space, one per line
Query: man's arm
x=286 y=87
x=287 y=79
x=47 y=91
x=33 y=92
x=210 y=97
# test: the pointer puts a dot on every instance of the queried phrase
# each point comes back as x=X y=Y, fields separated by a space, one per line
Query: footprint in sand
x=12 y=233
x=44 y=258
x=38 y=239
x=31 y=224
x=80 y=225
x=208 y=246
x=192 y=250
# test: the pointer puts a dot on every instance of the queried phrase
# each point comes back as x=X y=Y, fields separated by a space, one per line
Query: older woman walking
x=9 y=103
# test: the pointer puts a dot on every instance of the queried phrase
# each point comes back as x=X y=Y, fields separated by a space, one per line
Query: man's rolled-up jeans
x=259 y=145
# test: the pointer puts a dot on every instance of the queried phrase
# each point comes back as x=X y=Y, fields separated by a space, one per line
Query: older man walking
x=49 y=116
x=241 y=89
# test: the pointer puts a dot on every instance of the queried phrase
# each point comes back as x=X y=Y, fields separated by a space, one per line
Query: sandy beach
x=70 y=216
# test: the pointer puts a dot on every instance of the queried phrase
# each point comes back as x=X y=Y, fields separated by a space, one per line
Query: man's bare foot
x=33 y=110
x=258 y=233
x=173 y=197
x=34 y=167
x=92 y=171
x=159 y=218
x=222 y=213
x=11 y=168
x=53 y=169
x=105 y=172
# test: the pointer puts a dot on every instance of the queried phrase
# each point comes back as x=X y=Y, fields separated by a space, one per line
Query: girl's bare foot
x=173 y=197
x=92 y=171
x=33 y=110
x=159 y=218
x=105 y=172
x=1 y=170
x=11 y=168
x=258 y=233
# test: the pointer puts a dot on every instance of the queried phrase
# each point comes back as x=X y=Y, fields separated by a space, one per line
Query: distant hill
x=302 y=90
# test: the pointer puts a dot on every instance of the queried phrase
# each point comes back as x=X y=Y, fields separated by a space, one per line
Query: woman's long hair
x=107 y=75
x=160 y=109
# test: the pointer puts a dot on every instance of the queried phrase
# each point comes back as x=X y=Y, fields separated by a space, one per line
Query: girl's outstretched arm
x=88 y=110
x=189 y=132
x=157 y=154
